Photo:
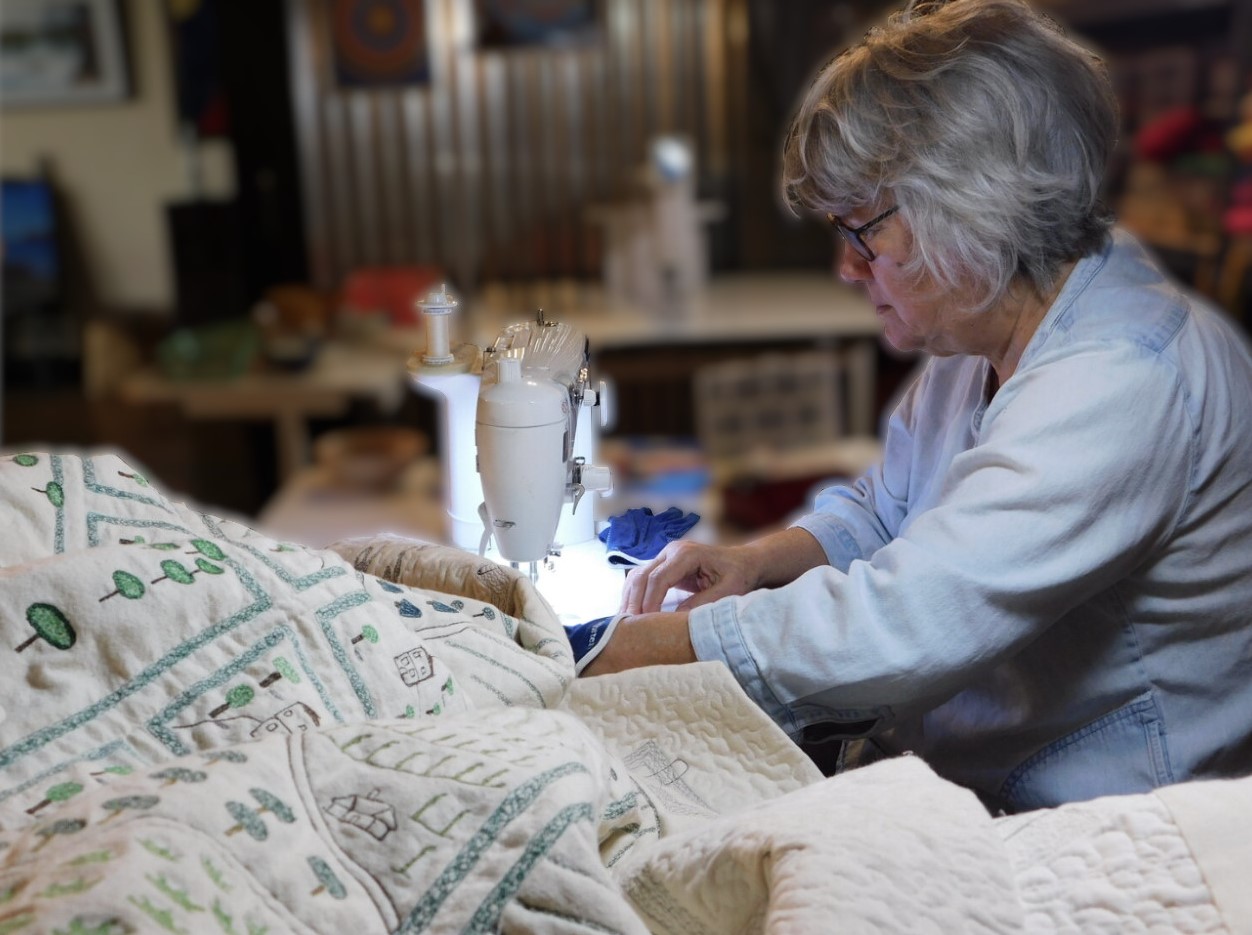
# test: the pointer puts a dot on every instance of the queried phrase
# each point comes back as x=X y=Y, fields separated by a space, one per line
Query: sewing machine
x=517 y=434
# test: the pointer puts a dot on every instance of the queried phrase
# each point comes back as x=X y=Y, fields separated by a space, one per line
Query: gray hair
x=989 y=128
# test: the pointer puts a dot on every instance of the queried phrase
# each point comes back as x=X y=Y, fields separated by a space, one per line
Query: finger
x=664 y=574
x=633 y=590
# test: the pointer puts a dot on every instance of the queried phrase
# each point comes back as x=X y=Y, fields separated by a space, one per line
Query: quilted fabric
x=147 y=630
x=1112 y=865
x=887 y=848
x=203 y=729
x=482 y=822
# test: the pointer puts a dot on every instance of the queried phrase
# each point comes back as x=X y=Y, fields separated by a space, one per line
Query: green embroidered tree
x=120 y=769
x=237 y=697
x=50 y=625
x=246 y=819
x=229 y=756
x=54 y=492
x=173 y=774
x=25 y=460
x=124 y=803
x=125 y=584
x=60 y=826
x=61 y=792
x=274 y=805
x=282 y=670
x=177 y=572
x=208 y=549
x=326 y=877
x=136 y=477
x=367 y=633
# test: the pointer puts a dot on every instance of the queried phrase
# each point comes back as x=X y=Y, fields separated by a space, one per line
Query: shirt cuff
x=716 y=636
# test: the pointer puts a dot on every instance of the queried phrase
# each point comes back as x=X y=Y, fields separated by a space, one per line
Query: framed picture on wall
x=63 y=53
x=515 y=23
x=379 y=43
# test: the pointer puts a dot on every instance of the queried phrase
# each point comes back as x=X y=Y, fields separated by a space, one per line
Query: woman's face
x=916 y=314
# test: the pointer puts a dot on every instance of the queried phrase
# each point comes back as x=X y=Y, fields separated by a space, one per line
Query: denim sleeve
x=854 y=521
x=1083 y=466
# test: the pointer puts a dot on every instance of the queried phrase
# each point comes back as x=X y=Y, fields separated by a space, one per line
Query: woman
x=1045 y=588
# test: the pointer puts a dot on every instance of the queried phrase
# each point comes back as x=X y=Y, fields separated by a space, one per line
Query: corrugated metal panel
x=487 y=170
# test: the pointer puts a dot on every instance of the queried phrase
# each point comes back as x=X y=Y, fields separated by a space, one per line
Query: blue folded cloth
x=637 y=536
x=588 y=639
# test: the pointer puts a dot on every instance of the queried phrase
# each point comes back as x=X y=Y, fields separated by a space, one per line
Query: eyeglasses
x=855 y=235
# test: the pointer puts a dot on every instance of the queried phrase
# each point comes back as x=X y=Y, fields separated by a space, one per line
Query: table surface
x=738 y=307
x=342 y=369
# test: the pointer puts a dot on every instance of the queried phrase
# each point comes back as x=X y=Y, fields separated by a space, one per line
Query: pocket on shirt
x=1119 y=753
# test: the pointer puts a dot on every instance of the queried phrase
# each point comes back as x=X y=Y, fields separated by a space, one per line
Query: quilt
x=203 y=729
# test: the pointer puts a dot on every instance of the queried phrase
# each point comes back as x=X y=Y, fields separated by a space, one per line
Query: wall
x=116 y=166
x=488 y=168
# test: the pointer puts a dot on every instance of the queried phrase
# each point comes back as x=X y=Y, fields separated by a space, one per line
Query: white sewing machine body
x=534 y=439
x=518 y=435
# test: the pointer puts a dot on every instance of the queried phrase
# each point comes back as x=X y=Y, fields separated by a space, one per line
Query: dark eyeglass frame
x=854 y=235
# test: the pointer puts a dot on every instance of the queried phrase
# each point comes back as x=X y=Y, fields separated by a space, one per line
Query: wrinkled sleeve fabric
x=1081 y=467
x=853 y=522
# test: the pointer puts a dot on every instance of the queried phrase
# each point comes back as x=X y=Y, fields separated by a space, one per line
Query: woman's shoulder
x=1123 y=296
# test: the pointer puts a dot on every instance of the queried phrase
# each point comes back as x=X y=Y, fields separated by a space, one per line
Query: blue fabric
x=588 y=639
x=637 y=535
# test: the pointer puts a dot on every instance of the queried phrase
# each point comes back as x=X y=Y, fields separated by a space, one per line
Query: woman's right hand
x=710 y=572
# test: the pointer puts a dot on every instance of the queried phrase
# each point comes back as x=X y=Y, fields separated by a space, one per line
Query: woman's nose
x=850 y=266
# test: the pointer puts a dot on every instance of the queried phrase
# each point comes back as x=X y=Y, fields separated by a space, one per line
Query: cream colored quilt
x=205 y=730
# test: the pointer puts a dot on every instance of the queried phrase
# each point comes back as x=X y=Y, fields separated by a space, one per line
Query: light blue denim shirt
x=1048 y=596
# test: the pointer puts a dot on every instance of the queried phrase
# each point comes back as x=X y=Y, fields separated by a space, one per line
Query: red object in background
x=750 y=505
x=394 y=290
x=1175 y=133
x=1238 y=220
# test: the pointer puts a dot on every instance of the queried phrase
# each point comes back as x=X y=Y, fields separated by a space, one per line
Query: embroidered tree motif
x=408 y=609
x=25 y=460
x=61 y=792
x=487 y=612
x=282 y=670
x=120 y=769
x=54 y=492
x=176 y=571
x=446 y=689
x=124 y=803
x=61 y=826
x=135 y=476
x=246 y=820
x=208 y=549
x=274 y=805
x=173 y=774
x=50 y=625
x=125 y=584
x=367 y=633
x=445 y=608
x=237 y=697
x=326 y=877
x=140 y=540
x=230 y=756
x=388 y=586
